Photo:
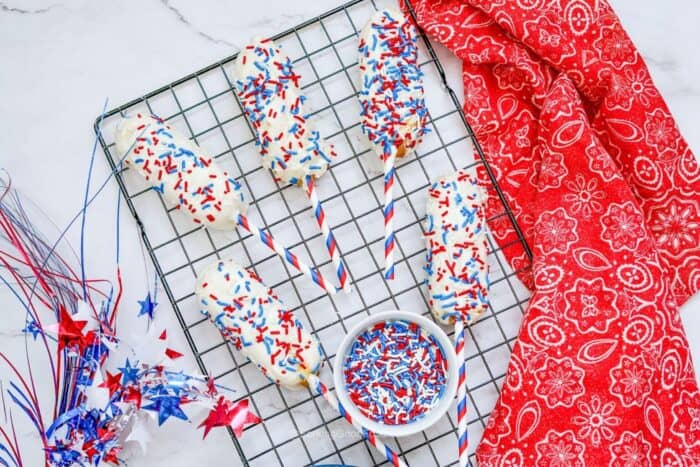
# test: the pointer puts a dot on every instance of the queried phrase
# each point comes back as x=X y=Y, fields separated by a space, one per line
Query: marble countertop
x=62 y=59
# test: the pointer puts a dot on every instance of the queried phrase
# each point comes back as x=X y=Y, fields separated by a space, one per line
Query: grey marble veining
x=63 y=59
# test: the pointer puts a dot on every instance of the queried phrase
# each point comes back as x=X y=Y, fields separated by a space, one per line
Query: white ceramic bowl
x=426 y=420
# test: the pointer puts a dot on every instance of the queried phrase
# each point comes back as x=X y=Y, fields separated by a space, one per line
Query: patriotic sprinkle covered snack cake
x=270 y=93
x=457 y=248
x=180 y=171
x=393 y=109
x=251 y=317
x=269 y=90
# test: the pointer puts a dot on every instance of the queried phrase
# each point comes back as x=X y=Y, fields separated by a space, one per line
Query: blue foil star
x=32 y=328
x=129 y=373
x=166 y=406
x=147 y=306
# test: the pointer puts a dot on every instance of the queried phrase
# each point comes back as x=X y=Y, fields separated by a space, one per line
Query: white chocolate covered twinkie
x=180 y=170
x=393 y=109
x=257 y=323
x=270 y=93
x=457 y=248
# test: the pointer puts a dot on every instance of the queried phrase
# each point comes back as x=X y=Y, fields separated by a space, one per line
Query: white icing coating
x=457 y=248
x=180 y=170
x=393 y=109
x=257 y=323
x=270 y=93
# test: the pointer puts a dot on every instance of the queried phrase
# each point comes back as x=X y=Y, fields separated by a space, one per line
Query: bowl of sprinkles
x=395 y=372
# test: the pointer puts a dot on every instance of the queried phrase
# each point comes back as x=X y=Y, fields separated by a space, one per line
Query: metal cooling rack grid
x=299 y=428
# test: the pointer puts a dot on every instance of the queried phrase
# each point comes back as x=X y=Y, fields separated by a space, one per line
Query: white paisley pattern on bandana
x=604 y=188
x=511 y=59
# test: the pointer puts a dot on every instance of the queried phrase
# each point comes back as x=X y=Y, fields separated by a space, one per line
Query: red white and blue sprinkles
x=393 y=112
x=395 y=372
x=257 y=323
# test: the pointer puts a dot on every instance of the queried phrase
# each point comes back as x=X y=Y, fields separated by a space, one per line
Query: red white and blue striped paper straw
x=462 y=432
x=287 y=255
x=389 y=170
x=328 y=237
x=370 y=436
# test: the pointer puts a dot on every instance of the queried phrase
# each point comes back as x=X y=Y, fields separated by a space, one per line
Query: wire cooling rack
x=298 y=427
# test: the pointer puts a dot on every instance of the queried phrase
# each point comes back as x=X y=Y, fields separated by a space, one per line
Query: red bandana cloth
x=606 y=191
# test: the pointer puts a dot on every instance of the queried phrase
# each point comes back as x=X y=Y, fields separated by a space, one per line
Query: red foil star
x=70 y=332
x=236 y=415
x=112 y=382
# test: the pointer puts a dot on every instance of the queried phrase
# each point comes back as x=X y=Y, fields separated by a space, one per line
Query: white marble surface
x=62 y=59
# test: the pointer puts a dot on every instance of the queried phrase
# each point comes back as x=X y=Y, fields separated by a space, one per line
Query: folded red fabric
x=607 y=193
x=512 y=53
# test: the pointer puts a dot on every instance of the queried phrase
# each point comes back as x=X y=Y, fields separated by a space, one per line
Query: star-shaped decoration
x=226 y=413
x=32 y=328
x=129 y=373
x=112 y=382
x=70 y=332
x=148 y=306
x=166 y=406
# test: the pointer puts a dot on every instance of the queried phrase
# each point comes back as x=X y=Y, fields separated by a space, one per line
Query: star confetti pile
x=100 y=401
